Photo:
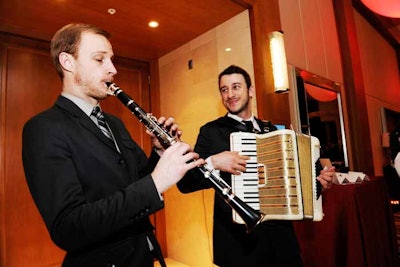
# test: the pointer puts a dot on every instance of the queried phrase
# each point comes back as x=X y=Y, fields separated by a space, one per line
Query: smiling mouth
x=232 y=101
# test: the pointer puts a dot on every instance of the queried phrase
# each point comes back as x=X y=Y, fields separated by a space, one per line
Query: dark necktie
x=249 y=126
x=101 y=122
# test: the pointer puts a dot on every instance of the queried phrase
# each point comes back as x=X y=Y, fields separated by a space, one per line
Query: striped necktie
x=102 y=122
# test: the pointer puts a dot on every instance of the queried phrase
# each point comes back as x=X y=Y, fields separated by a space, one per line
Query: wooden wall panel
x=132 y=81
x=360 y=148
x=265 y=18
x=30 y=84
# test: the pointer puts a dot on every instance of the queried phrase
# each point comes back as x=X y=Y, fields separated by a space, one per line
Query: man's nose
x=231 y=93
x=112 y=70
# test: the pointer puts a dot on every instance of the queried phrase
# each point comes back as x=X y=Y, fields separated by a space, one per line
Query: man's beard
x=90 y=90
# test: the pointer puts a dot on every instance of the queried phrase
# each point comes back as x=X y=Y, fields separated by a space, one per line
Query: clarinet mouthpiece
x=111 y=88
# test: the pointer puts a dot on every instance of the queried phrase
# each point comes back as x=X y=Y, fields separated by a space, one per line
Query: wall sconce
x=279 y=64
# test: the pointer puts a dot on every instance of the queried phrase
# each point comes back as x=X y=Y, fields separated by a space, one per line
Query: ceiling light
x=111 y=11
x=153 y=24
x=228 y=49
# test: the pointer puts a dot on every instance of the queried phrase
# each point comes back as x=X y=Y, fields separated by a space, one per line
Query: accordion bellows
x=280 y=178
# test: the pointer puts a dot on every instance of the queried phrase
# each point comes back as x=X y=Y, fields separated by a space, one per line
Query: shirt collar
x=82 y=104
x=252 y=119
x=236 y=117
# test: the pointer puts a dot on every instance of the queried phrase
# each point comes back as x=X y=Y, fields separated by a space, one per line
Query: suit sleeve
x=394 y=144
x=209 y=142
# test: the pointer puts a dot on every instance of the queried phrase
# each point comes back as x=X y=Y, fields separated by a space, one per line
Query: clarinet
x=250 y=216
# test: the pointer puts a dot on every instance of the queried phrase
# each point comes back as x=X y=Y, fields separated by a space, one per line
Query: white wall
x=381 y=83
x=192 y=98
x=311 y=37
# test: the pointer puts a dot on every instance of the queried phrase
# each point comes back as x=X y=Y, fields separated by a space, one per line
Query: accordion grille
x=280 y=194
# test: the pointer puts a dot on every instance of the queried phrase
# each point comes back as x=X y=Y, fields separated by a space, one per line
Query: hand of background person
x=173 y=164
x=326 y=177
x=230 y=161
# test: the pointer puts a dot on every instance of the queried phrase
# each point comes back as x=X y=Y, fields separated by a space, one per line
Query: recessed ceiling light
x=111 y=11
x=228 y=49
x=153 y=24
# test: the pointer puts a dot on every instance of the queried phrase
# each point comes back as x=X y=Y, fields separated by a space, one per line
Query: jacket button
x=121 y=162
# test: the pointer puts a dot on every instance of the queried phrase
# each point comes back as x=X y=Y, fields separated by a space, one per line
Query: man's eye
x=99 y=59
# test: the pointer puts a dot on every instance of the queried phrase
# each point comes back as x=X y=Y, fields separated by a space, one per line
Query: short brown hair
x=232 y=69
x=67 y=40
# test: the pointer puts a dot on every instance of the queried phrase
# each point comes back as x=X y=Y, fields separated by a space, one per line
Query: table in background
x=357 y=229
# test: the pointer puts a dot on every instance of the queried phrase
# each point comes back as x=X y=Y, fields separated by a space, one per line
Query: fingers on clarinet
x=169 y=122
x=161 y=120
x=194 y=164
x=174 y=131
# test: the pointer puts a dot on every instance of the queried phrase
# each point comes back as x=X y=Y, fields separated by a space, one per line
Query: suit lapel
x=265 y=126
x=115 y=133
x=83 y=119
x=228 y=122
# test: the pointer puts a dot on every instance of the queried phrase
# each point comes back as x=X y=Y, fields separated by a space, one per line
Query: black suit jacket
x=95 y=201
x=394 y=138
x=272 y=243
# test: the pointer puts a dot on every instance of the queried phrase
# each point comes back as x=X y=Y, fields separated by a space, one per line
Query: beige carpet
x=171 y=263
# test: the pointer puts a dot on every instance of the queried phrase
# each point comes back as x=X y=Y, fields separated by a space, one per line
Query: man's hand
x=326 y=177
x=230 y=161
x=173 y=164
x=171 y=127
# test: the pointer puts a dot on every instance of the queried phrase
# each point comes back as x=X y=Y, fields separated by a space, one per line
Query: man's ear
x=66 y=61
x=252 y=91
